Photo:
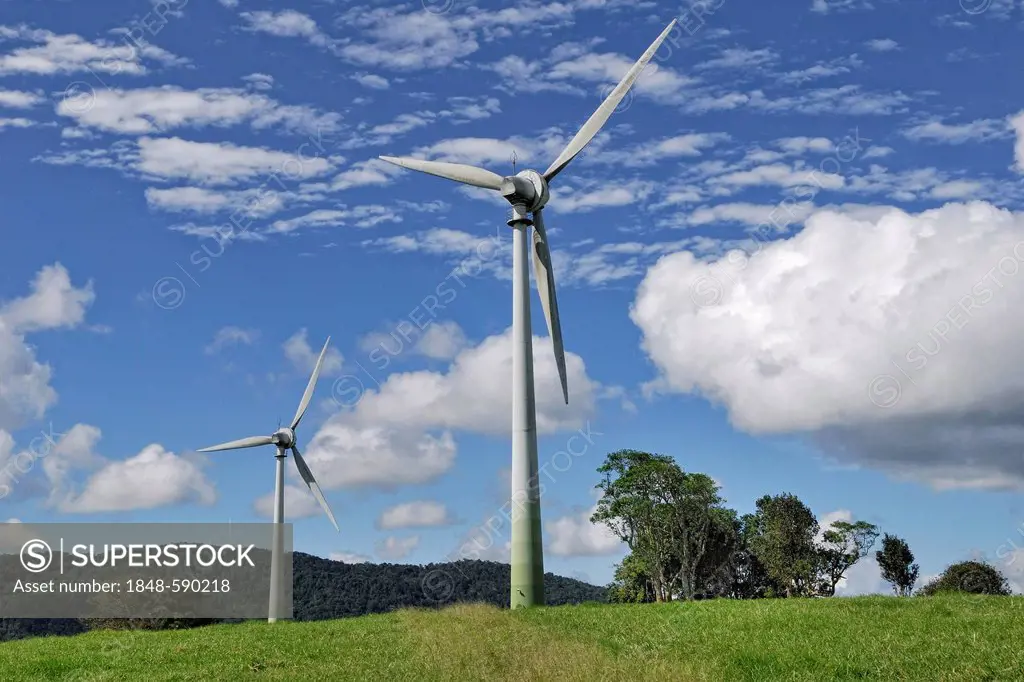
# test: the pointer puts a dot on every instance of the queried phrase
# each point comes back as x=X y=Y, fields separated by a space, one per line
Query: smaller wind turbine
x=284 y=439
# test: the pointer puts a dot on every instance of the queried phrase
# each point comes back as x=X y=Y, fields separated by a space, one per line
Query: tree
x=973 y=577
x=896 y=562
x=703 y=529
x=783 y=540
x=636 y=506
x=632 y=583
x=844 y=544
x=716 y=569
x=673 y=521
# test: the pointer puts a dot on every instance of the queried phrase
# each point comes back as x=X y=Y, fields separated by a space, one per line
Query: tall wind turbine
x=527 y=192
x=284 y=439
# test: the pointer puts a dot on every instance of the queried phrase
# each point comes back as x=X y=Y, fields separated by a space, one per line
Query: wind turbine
x=284 y=439
x=527 y=192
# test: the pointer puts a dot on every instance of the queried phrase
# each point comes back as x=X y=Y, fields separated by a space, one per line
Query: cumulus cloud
x=148 y=110
x=53 y=53
x=231 y=336
x=153 y=478
x=53 y=303
x=208 y=163
x=1018 y=148
x=303 y=357
x=395 y=549
x=883 y=335
x=574 y=535
x=421 y=513
x=299 y=503
x=400 y=433
x=81 y=481
x=350 y=557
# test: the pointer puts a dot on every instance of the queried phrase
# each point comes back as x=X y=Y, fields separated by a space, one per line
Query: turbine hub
x=527 y=188
x=285 y=438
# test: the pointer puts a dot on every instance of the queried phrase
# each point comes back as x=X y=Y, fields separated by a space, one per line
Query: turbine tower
x=284 y=439
x=527 y=192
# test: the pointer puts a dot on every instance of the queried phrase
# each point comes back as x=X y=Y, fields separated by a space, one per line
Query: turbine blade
x=310 y=387
x=250 y=442
x=459 y=172
x=604 y=112
x=307 y=476
x=546 y=289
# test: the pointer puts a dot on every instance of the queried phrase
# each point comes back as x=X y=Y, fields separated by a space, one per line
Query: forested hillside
x=325 y=589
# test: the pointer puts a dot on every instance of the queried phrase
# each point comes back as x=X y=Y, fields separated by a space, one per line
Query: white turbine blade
x=459 y=172
x=546 y=289
x=604 y=112
x=310 y=387
x=307 y=476
x=250 y=442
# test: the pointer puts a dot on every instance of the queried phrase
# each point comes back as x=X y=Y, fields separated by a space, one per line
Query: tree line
x=685 y=543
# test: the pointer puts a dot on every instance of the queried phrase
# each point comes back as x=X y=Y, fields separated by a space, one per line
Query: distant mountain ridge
x=325 y=589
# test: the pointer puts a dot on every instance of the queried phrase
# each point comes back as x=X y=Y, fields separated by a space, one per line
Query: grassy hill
x=936 y=638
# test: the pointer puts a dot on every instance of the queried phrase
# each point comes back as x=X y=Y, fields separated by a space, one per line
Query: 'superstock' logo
x=36 y=556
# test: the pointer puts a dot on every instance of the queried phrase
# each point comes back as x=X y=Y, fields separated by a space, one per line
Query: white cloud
x=874 y=152
x=813 y=333
x=400 y=432
x=975 y=131
x=405 y=41
x=882 y=45
x=16 y=123
x=299 y=503
x=442 y=341
x=1018 y=149
x=750 y=214
x=16 y=99
x=152 y=478
x=474 y=395
x=421 y=513
x=395 y=549
x=288 y=24
x=740 y=58
x=69 y=53
x=864 y=577
x=834 y=67
x=213 y=163
x=259 y=81
x=358 y=216
x=1012 y=566
x=257 y=202
x=155 y=109
x=231 y=336
x=350 y=557
x=346 y=455
x=781 y=175
x=574 y=535
x=805 y=145
x=53 y=303
x=688 y=145
x=303 y=357
x=372 y=81
x=436 y=340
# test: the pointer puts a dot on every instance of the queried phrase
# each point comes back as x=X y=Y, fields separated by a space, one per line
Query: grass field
x=940 y=638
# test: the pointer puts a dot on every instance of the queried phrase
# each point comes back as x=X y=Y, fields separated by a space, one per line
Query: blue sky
x=792 y=200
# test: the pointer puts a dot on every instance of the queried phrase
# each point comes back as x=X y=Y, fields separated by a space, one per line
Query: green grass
x=875 y=638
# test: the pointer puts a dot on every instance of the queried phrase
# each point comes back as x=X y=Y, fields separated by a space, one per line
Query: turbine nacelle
x=284 y=438
x=527 y=188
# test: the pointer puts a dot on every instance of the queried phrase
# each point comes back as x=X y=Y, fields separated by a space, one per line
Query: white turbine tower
x=527 y=192
x=284 y=439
